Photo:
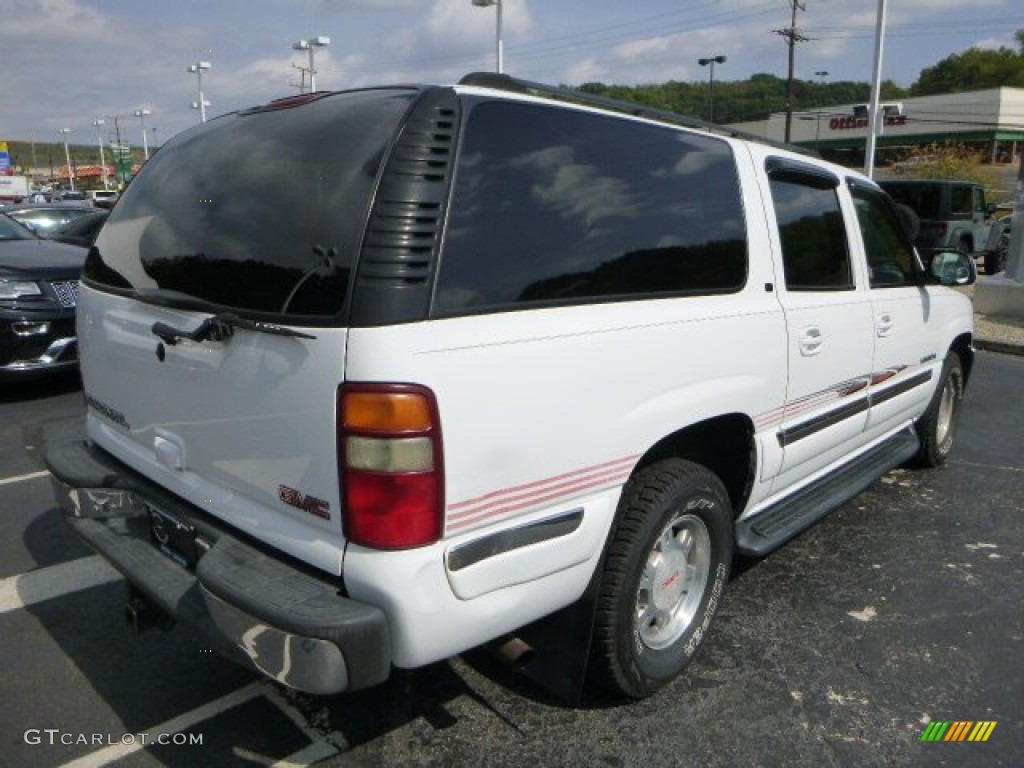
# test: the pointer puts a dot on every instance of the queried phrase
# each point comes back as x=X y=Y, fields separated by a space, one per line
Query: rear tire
x=665 y=569
x=937 y=426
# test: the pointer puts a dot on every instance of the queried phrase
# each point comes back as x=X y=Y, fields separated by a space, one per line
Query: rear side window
x=815 y=253
x=961 y=201
x=260 y=211
x=555 y=206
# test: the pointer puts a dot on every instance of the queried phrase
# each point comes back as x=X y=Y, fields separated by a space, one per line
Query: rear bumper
x=258 y=609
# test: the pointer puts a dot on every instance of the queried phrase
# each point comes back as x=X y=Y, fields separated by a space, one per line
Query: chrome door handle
x=811 y=340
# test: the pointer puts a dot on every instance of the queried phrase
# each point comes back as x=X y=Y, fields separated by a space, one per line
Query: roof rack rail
x=504 y=82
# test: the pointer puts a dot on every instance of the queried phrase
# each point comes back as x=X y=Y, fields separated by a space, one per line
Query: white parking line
x=307 y=756
x=318 y=750
x=54 y=581
x=22 y=478
x=175 y=725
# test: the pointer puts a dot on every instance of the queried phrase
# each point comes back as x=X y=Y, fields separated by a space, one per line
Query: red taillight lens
x=389 y=465
x=391 y=511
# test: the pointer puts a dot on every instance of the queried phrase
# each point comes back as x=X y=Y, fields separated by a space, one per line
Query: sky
x=70 y=62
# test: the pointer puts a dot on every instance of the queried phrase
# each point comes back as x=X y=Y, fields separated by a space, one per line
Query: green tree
x=742 y=100
x=973 y=70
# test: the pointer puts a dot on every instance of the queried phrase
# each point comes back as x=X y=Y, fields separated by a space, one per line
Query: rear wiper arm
x=221 y=327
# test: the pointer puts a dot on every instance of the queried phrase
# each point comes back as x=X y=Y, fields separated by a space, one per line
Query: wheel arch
x=960 y=234
x=962 y=345
x=723 y=444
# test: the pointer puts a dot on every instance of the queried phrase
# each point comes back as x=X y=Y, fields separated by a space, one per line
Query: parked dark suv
x=38 y=293
x=953 y=213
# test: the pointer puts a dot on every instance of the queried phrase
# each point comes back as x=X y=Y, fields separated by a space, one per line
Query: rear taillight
x=389 y=464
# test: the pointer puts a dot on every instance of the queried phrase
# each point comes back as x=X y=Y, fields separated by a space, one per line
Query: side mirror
x=953 y=268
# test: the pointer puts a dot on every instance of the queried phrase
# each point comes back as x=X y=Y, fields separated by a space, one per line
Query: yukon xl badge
x=105 y=410
x=302 y=501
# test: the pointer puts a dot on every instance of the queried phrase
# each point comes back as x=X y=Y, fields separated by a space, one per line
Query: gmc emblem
x=299 y=500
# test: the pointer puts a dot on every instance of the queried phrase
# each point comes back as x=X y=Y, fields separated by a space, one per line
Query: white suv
x=496 y=352
x=103 y=198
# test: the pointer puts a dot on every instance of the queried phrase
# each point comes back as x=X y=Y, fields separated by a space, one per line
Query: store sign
x=853 y=122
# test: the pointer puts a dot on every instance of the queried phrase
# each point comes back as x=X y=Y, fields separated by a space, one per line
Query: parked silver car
x=46 y=218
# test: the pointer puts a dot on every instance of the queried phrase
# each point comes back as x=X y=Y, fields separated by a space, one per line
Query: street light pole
x=103 y=163
x=309 y=45
x=499 y=46
x=141 y=114
x=711 y=82
x=118 y=156
x=876 y=88
x=67 y=155
x=197 y=70
x=817 y=124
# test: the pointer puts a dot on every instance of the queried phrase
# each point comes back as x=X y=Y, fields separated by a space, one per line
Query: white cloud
x=995 y=43
x=588 y=70
x=452 y=21
x=52 y=20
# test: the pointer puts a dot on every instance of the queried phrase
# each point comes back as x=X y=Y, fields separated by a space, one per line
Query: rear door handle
x=883 y=324
x=811 y=340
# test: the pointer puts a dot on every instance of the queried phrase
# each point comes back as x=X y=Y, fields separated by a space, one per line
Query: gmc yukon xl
x=496 y=352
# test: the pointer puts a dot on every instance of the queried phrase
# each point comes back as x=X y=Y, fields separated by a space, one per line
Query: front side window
x=557 y=206
x=889 y=253
x=260 y=211
x=815 y=253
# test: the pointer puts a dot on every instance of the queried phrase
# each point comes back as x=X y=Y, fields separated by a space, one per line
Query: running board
x=790 y=517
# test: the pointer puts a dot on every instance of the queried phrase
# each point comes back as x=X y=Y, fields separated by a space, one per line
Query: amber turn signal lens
x=386 y=411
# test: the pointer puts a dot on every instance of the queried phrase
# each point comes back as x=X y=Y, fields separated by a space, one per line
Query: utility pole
x=118 y=158
x=793 y=36
x=302 y=78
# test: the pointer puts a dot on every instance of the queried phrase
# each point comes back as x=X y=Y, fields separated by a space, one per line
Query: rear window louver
x=403 y=235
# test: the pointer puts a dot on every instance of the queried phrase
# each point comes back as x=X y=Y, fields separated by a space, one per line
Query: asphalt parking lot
x=903 y=607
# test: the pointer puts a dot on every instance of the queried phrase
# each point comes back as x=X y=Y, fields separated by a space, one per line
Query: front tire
x=937 y=426
x=665 y=569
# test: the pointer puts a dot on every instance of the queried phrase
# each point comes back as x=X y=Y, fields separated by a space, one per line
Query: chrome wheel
x=947 y=412
x=673 y=581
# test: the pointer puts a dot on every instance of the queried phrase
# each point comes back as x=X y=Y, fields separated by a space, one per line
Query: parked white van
x=495 y=353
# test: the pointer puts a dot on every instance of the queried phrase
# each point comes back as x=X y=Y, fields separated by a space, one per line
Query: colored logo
x=958 y=730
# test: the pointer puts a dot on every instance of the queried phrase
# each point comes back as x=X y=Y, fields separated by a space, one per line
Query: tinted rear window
x=556 y=206
x=259 y=211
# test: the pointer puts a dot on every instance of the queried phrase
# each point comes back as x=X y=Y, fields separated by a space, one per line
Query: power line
x=991 y=22
x=589 y=39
